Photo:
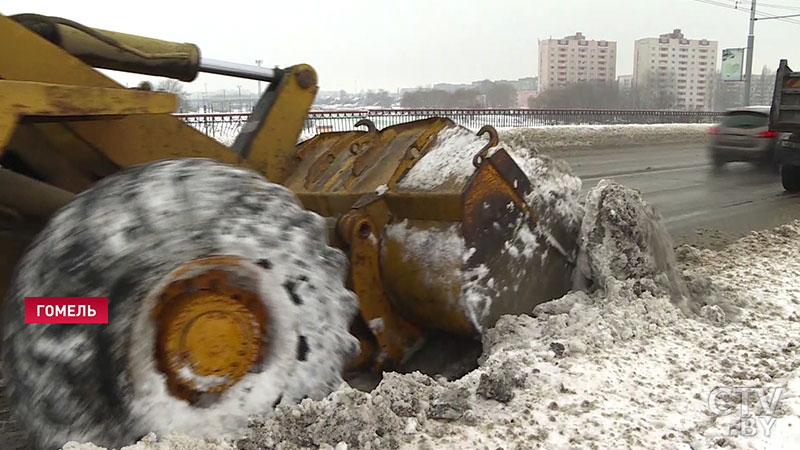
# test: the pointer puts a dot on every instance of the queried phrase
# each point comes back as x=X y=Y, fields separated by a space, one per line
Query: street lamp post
x=258 y=63
x=750 y=38
x=749 y=65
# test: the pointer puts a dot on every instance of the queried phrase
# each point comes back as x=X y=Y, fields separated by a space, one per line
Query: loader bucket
x=438 y=218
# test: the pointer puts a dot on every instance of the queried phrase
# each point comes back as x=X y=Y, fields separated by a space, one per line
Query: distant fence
x=227 y=125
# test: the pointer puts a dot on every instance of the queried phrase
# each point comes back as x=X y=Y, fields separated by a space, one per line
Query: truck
x=785 y=118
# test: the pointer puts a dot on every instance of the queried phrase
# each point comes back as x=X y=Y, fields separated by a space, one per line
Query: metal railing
x=227 y=125
x=217 y=125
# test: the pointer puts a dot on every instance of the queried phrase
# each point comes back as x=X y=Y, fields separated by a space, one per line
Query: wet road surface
x=699 y=204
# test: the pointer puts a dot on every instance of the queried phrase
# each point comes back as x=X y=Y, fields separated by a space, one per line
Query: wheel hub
x=211 y=327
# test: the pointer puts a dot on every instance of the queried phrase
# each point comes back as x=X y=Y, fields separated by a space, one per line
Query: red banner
x=66 y=310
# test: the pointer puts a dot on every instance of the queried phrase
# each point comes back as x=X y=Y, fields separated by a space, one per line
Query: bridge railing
x=227 y=125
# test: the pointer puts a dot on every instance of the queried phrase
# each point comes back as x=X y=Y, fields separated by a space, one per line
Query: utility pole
x=239 y=109
x=258 y=63
x=749 y=65
x=750 y=38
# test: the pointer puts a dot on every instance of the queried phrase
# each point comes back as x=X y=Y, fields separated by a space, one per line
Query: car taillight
x=713 y=130
x=767 y=134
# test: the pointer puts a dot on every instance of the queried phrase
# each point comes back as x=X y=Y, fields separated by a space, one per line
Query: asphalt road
x=699 y=205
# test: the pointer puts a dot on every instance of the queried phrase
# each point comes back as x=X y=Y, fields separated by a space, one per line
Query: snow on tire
x=123 y=237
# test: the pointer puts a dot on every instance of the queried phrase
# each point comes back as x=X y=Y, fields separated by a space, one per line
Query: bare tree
x=439 y=98
x=763 y=89
x=175 y=87
x=378 y=98
x=501 y=95
x=584 y=94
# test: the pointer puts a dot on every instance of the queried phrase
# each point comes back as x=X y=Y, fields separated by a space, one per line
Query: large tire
x=118 y=239
x=790 y=178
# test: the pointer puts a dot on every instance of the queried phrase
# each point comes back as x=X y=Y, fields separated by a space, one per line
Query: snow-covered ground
x=566 y=137
x=561 y=137
x=631 y=365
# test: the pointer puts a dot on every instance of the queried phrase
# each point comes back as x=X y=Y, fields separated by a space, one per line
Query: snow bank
x=622 y=238
x=173 y=442
x=618 y=368
x=226 y=140
x=568 y=137
x=563 y=137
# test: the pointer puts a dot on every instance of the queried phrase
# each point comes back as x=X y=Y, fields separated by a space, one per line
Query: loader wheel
x=790 y=178
x=224 y=301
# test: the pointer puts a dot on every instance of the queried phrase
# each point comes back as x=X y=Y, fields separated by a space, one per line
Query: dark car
x=743 y=135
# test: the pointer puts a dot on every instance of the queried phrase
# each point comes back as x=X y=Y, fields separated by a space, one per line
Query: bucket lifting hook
x=493 y=141
x=371 y=128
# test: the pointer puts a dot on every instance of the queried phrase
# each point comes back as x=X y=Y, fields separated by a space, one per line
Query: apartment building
x=678 y=72
x=574 y=59
x=729 y=94
x=524 y=98
x=625 y=82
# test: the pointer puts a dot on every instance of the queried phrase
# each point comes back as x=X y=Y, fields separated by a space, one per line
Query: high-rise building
x=730 y=94
x=625 y=82
x=574 y=59
x=450 y=87
x=527 y=84
x=524 y=98
x=675 y=71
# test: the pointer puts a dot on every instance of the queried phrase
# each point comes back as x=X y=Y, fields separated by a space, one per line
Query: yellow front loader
x=238 y=278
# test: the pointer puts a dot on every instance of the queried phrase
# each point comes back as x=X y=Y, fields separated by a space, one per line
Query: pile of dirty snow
x=617 y=368
x=173 y=442
x=565 y=137
x=622 y=237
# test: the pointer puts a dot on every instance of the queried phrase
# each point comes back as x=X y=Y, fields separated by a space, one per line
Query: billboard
x=732 y=64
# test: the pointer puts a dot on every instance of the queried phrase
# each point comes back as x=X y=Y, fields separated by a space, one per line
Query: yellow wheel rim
x=211 y=327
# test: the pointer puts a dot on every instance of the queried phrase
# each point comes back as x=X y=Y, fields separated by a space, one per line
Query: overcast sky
x=357 y=45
